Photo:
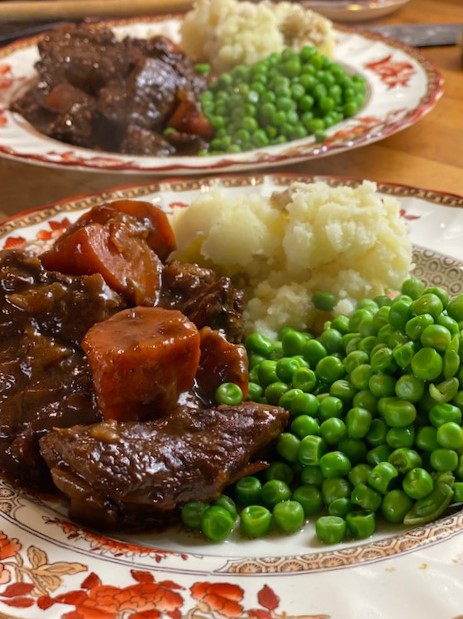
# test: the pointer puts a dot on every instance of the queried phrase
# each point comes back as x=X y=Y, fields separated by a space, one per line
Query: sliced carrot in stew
x=113 y=244
x=142 y=359
x=161 y=238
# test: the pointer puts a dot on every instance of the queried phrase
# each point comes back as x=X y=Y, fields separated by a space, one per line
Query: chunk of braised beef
x=220 y=362
x=132 y=89
x=123 y=474
x=139 y=141
x=207 y=300
x=45 y=380
x=85 y=57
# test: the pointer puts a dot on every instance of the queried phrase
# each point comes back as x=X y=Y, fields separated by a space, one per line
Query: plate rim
x=213 y=164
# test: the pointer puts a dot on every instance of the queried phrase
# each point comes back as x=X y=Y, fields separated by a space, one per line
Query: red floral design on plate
x=392 y=72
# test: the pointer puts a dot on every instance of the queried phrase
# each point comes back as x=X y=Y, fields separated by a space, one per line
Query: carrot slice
x=113 y=244
x=142 y=359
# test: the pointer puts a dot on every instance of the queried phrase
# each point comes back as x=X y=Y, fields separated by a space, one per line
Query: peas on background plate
x=376 y=422
x=287 y=96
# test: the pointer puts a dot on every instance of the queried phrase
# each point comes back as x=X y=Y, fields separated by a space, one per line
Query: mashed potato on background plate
x=283 y=248
x=226 y=33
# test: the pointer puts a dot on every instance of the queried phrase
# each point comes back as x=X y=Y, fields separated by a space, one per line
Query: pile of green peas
x=287 y=96
x=375 y=431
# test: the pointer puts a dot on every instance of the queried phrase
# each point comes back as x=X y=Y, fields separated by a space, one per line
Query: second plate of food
x=400 y=87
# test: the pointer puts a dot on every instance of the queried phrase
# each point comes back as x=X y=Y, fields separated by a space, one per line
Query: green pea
x=279 y=470
x=304 y=404
x=355 y=449
x=455 y=308
x=287 y=446
x=288 y=516
x=304 y=379
x=355 y=359
x=311 y=449
x=313 y=351
x=415 y=326
x=365 y=399
x=330 y=369
x=360 y=376
x=413 y=287
x=255 y=521
x=332 y=430
x=397 y=437
x=427 y=364
x=323 y=300
x=358 y=422
x=443 y=460
x=343 y=390
x=436 y=336
x=382 y=385
x=217 y=523
x=380 y=453
x=428 y=303
x=405 y=459
x=382 y=360
x=274 y=491
x=335 y=488
x=285 y=368
x=311 y=475
x=330 y=407
x=275 y=391
x=395 y=505
x=361 y=524
x=450 y=435
x=366 y=497
x=443 y=413
x=310 y=497
x=400 y=313
x=330 y=529
x=305 y=425
x=229 y=393
x=432 y=506
x=293 y=343
x=377 y=432
x=382 y=476
x=331 y=340
x=248 y=490
x=191 y=514
x=403 y=354
x=334 y=464
x=409 y=387
x=398 y=413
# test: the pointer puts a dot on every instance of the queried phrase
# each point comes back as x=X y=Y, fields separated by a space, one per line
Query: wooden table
x=429 y=154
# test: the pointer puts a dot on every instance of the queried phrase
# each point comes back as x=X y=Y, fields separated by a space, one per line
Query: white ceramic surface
x=52 y=568
x=402 y=86
x=354 y=10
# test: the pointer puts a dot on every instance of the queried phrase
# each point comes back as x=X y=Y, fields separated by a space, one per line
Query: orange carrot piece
x=142 y=359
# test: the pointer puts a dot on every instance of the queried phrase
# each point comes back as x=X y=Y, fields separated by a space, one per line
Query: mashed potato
x=348 y=241
x=226 y=33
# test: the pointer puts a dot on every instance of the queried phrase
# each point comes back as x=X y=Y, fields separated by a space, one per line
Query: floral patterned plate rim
x=403 y=86
x=355 y=10
x=52 y=568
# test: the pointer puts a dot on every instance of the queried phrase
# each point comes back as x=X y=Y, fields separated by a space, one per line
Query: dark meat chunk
x=86 y=58
x=97 y=92
x=145 y=142
x=206 y=299
x=123 y=474
x=45 y=380
x=152 y=88
x=220 y=362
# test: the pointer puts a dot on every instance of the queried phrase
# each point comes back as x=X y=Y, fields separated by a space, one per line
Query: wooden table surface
x=428 y=154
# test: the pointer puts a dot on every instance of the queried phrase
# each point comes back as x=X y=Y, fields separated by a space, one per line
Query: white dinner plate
x=354 y=10
x=402 y=86
x=52 y=568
